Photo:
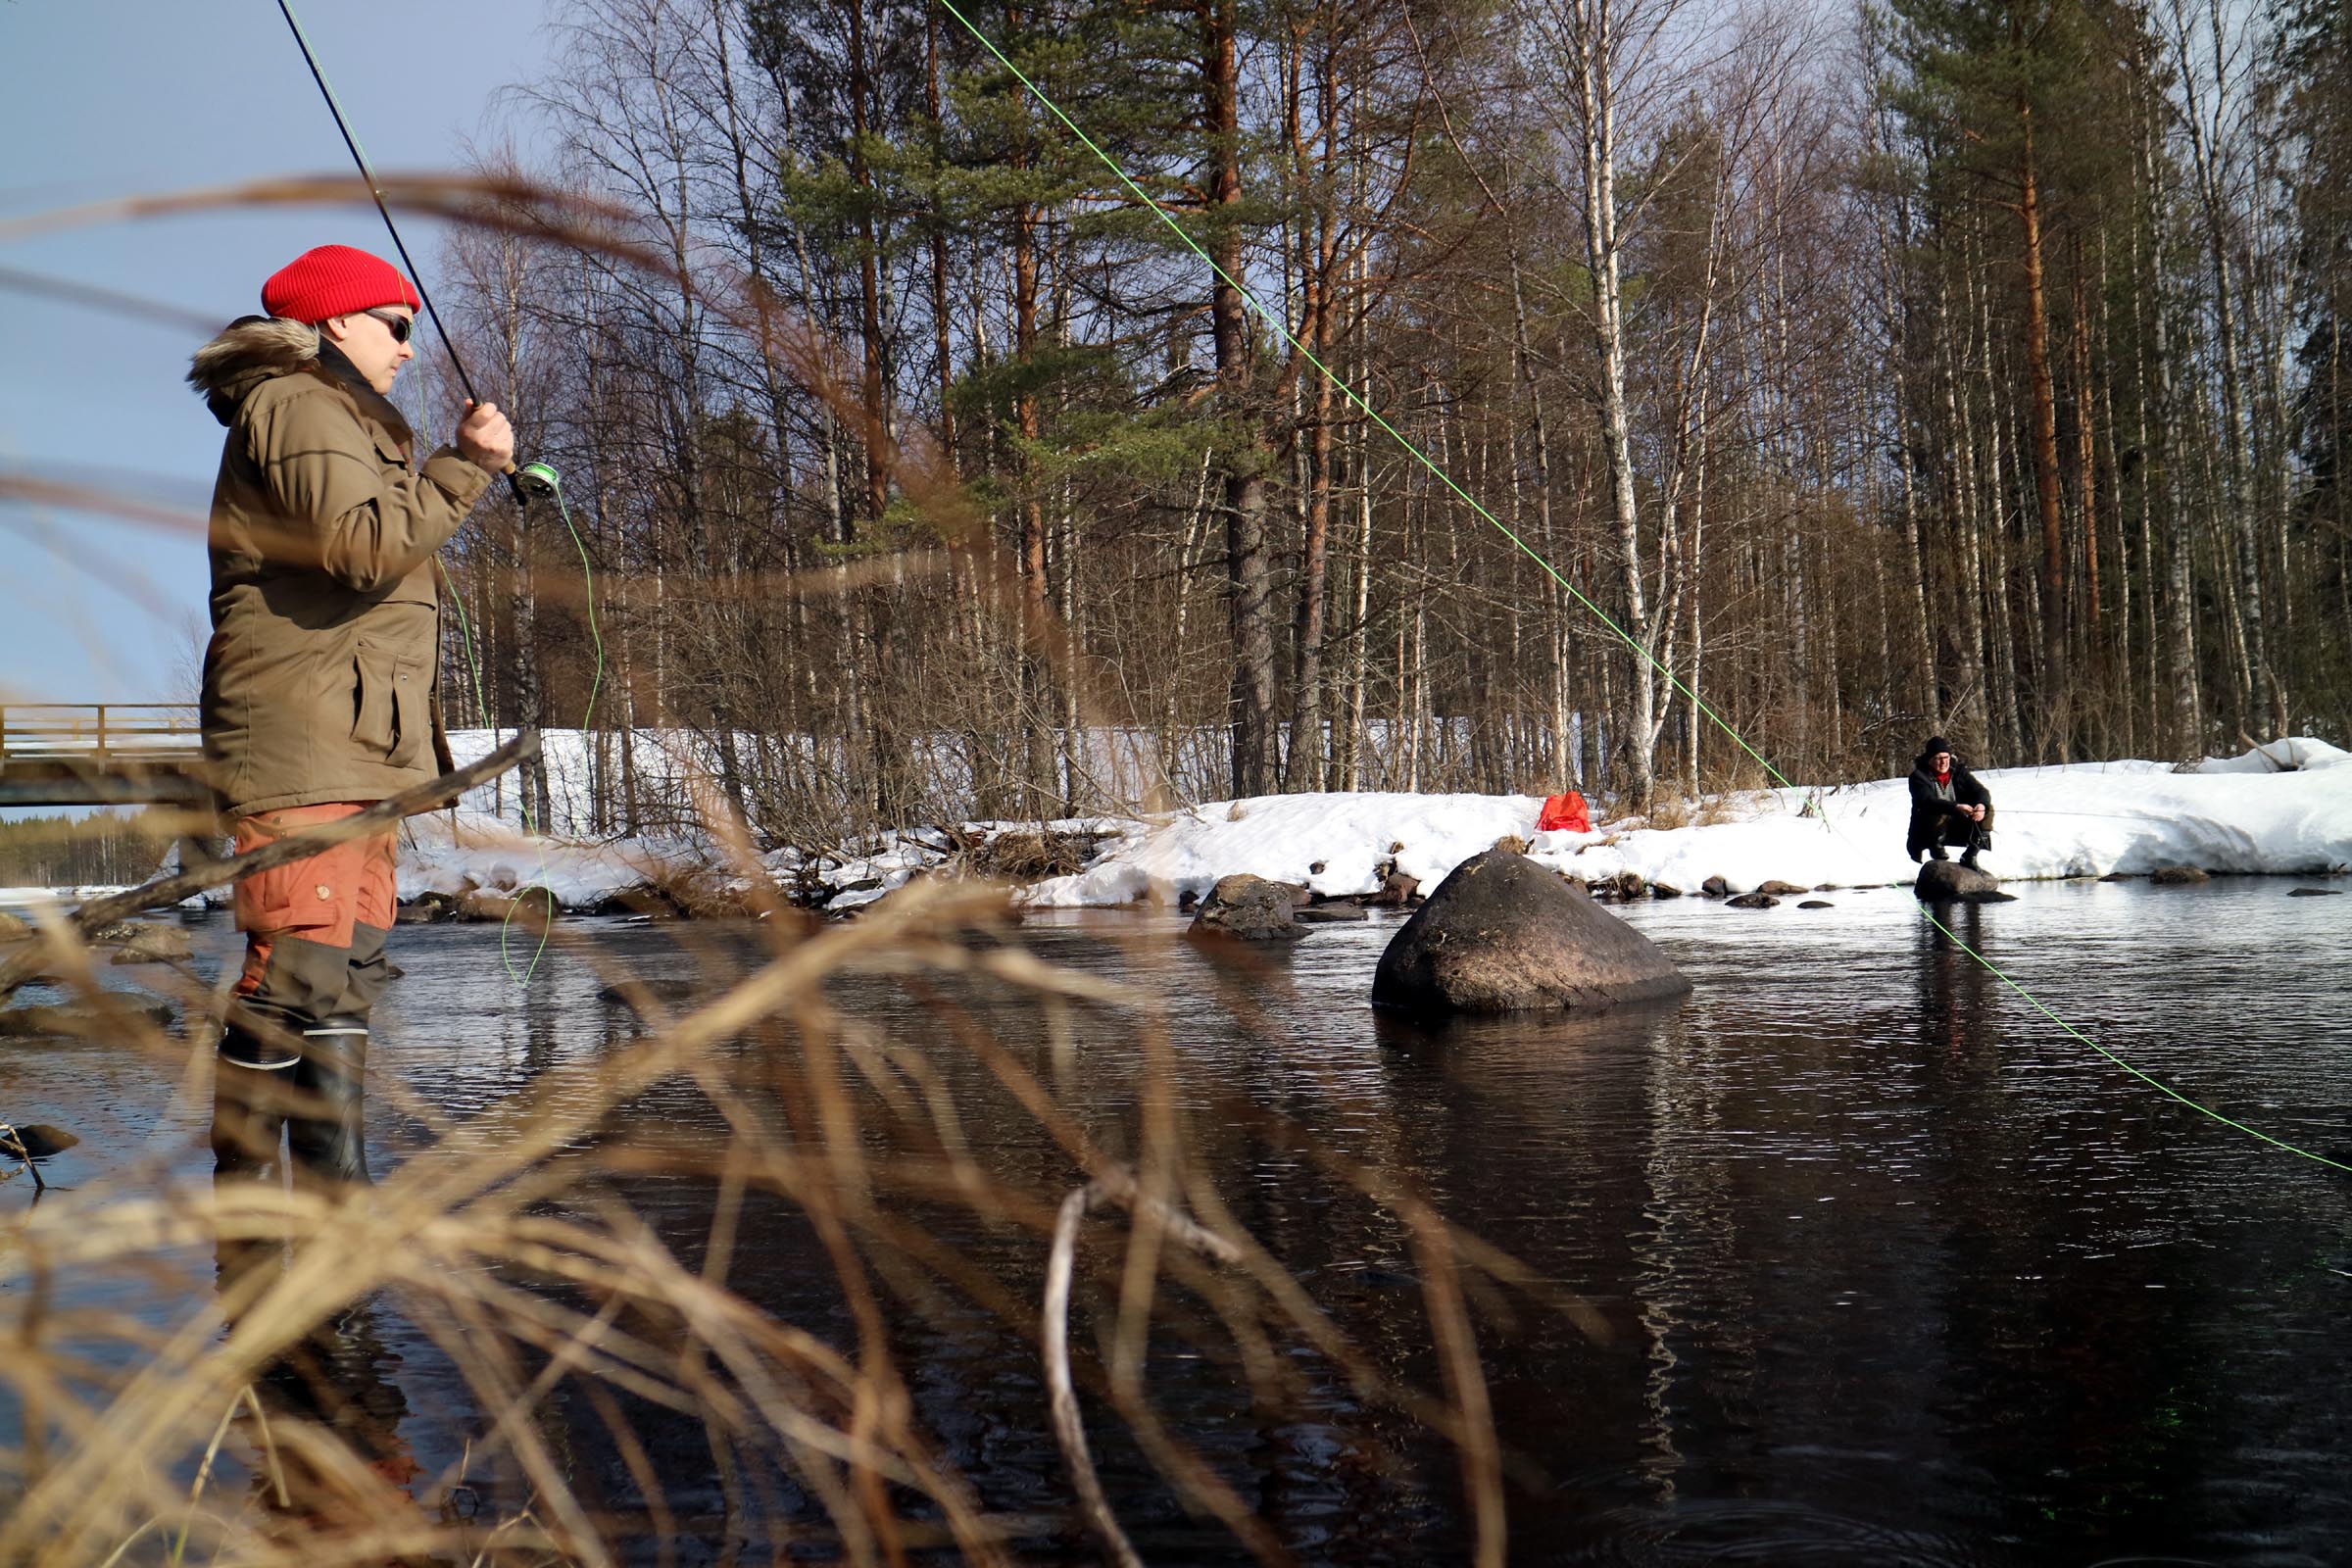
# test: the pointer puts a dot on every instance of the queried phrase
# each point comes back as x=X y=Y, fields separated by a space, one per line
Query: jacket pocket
x=412 y=714
x=376 y=715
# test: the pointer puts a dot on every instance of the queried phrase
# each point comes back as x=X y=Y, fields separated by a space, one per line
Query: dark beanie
x=334 y=281
x=1936 y=743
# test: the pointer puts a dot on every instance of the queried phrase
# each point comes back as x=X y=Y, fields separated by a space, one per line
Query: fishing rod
x=531 y=482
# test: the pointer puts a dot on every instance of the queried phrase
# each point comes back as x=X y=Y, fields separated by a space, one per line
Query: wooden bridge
x=101 y=754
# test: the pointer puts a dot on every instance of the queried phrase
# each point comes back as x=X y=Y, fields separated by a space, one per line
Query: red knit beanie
x=334 y=281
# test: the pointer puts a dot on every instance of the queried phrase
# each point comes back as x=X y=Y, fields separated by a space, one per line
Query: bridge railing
x=98 y=733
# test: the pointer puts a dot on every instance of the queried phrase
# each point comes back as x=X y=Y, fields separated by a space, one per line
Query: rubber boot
x=327 y=1132
x=1936 y=853
x=250 y=1099
x=259 y=1043
x=1969 y=857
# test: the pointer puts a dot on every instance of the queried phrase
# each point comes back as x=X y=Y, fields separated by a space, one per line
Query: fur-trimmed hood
x=256 y=348
x=250 y=350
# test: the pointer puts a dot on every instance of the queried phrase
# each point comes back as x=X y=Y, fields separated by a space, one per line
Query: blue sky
x=101 y=99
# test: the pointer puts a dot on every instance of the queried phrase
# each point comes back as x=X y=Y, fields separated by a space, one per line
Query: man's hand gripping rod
x=533 y=481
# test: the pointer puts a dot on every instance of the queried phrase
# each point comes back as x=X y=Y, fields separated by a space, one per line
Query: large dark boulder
x=1951 y=882
x=1505 y=935
x=1250 y=908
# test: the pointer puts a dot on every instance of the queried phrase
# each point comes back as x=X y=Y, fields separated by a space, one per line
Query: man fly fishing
x=320 y=695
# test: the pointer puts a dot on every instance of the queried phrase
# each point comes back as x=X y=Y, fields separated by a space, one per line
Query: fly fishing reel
x=533 y=481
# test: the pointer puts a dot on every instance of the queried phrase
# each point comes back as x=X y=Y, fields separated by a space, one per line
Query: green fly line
x=537 y=833
x=1282 y=327
x=474 y=669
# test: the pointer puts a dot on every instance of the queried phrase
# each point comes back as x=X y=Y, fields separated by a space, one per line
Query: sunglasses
x=400 y=327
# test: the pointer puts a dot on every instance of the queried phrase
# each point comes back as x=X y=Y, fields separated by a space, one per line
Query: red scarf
x=1944 y=777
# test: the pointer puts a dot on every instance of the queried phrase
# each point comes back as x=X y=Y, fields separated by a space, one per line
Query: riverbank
x=2280 y=809
x=2285 y=810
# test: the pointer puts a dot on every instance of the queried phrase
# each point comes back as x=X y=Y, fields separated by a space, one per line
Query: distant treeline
x=101 y=849
x=1930 y=366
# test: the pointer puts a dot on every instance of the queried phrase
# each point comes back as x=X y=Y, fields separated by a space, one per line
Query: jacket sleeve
x=1924 y=798
x=364 y=526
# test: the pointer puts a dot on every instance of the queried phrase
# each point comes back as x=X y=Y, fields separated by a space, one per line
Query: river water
x=1887 y=1265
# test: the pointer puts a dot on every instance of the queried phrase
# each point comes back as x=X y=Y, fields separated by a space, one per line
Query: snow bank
x=2086 y=820
x=479 y=853
x=1332 y=844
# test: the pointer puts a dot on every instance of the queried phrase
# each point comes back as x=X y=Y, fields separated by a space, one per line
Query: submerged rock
x=34 y=1140
x=107 y=1018
x=1780 y=889
x=1331 y=913
x=650 y=994
x=1951 y=882
x=1503 y=934
x=149 y=943
x=2176 y=875
x=1752 y=900
x=1817 y=903
x=1250 y=908
x=2313 y=892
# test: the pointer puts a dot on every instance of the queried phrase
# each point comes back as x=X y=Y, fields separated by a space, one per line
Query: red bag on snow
x=1564 y=813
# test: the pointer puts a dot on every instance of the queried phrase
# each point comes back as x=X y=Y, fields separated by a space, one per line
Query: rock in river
x=1949 y=882
x=1504 y=934
x=1250 y=909
x=34 y=1141
x=147 y=942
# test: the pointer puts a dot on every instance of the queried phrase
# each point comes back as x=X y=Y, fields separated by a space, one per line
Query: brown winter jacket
x=319 y=682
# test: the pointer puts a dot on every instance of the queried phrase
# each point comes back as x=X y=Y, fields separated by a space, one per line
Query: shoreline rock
x=1250 y=908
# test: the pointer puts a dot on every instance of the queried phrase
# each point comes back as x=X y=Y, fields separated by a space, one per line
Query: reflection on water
x=1878 y=1264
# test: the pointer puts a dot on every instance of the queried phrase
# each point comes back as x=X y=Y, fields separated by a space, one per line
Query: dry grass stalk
x=511 y=1247
x=1069 y=1430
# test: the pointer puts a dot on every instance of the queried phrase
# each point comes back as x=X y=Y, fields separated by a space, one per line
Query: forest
x=1631 y=395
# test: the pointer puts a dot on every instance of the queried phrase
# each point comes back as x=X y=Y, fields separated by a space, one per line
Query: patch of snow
x=439 y=857
x=2295 y=754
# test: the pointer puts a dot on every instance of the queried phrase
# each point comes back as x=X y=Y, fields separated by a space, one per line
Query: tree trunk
x=1251 y=719
x=2056 y=719
x=1595 y=109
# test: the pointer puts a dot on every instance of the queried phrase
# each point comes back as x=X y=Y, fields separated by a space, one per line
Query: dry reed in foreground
x=575 y=1319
